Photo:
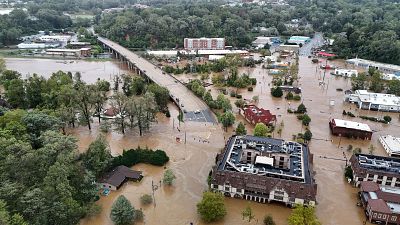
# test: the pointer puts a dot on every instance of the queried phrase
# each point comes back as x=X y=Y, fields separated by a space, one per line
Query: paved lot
x=187 y=100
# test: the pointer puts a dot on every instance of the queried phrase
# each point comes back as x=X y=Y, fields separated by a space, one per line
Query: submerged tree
x=122 y=212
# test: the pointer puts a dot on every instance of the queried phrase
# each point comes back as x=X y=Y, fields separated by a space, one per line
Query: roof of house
x=259 y=113
x=369 y=186
x=117 y=176
x=112 y=111
x=378 y=205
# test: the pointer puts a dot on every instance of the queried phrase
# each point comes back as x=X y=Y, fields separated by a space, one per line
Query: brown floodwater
x=90 y=70
x=191 y=162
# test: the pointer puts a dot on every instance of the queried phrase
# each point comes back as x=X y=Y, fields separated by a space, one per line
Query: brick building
x=381 y=203
x=265 y=170
x=255 y=115
x=204 y=43
x=350 y=129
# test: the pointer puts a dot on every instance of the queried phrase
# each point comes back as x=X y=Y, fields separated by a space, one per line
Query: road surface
x=194 y=108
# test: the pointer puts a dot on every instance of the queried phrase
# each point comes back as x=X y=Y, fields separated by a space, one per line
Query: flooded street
x=192 y=161
x=90 y=70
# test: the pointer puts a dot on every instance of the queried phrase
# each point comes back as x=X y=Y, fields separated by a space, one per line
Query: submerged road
x=193 y=107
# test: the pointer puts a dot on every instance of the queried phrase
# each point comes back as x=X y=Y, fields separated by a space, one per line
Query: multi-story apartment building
x=379 y=169
x=265 y=170
x=204 y=43
x=381 y=203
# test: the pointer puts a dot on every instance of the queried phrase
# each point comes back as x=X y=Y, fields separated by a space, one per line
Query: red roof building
x=255 y=115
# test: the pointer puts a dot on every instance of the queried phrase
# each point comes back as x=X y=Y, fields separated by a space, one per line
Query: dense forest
x=364 y=28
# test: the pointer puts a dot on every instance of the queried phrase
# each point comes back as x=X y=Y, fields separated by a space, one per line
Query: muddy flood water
x=191 y=162
x=90 y=70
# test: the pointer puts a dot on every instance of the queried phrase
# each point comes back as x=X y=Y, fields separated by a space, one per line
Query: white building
x=390 y=144
x=173 y=53
x=374 y=101
x=61 y=38
x=204 y=43
x=383 y=67
x=37 y=45
x=345 y=73
x=260 y=42
x=387 y=76
x=299 y=40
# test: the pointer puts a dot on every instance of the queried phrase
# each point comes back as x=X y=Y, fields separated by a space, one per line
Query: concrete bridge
x=194 y=108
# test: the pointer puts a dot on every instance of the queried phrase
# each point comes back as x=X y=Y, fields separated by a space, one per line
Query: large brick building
x=204 y=43
x=255 y=115
x=381 y=203
x=265 y=170
x=350 y=129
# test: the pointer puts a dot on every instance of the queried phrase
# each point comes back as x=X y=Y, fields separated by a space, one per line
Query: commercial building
x=374 y=101
x=391 y=76
x=83 y=52
x=345 y=73
x=381 y=203
x=33 y=45
x=391 y=144
x=118 y=176
x=350 y=129
x=255 y=115
x=78 y=44
x=260 y=42
x=383 y=67
x=265 y=170
x=60 y=38
x=300 y=40
x=204 y=43
x=296 y=90
x=289 y=48
x=379 y=169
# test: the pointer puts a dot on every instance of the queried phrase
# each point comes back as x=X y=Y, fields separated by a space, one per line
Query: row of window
x=384 y=216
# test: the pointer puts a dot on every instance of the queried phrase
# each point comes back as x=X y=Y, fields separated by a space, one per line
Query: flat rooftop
x=393 y=143
x=200 y=52
x=377 y=98
x=263 y=164
x=351 y=125
x=367 y=63
x=379 y=163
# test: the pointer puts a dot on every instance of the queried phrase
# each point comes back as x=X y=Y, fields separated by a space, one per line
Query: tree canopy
x=211 y=207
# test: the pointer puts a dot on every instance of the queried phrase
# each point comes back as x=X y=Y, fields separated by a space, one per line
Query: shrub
x=250 y=88
x=253 y=81
x=289 y=96
x=387 y=119
x=233 y=94
x=146 y=199
x=277 y=92
x=297 y=98
x=168 y=114
x=239 y=96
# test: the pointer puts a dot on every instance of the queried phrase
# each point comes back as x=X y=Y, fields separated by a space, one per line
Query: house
x=344 y=128
x=83 y=52
x=255 y=115
x=265 y=170
x=204 y=43
x=374 y=101
x=390 y=144
x=78 y=44
x=379 y=169
x=118 y=176
x=290 y=48
x=381 y=203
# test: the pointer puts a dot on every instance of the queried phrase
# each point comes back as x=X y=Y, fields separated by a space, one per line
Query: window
x=379 y=216
x=109 y=186
x=227 y=188
x=394 y=218
x=380 y=177
x=384 y=216
x=374 y=214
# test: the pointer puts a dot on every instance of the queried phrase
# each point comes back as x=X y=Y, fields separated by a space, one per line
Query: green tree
x=260 y=130
x=303 y=215
x=305 y=120
x=268 y=220
x=98 y=157
x=34 y=86
x=84 y=102
x=359 y=82
x=119 y=104
x=15 y=94
x=103 y=85
x=2 y=65
x=248 y=213
x=17 y=219
x=241 y=129
x=276 y=92
x=211 y=207
x=169 y=177
x=371 y=149
x=4 y=214
x=161 y=95
x=122 y=212
x=227 y=119
x=301 y=108
x=307 y=135
x=387 y=119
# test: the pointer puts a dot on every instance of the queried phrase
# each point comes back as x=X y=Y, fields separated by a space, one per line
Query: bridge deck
x=195 y=108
